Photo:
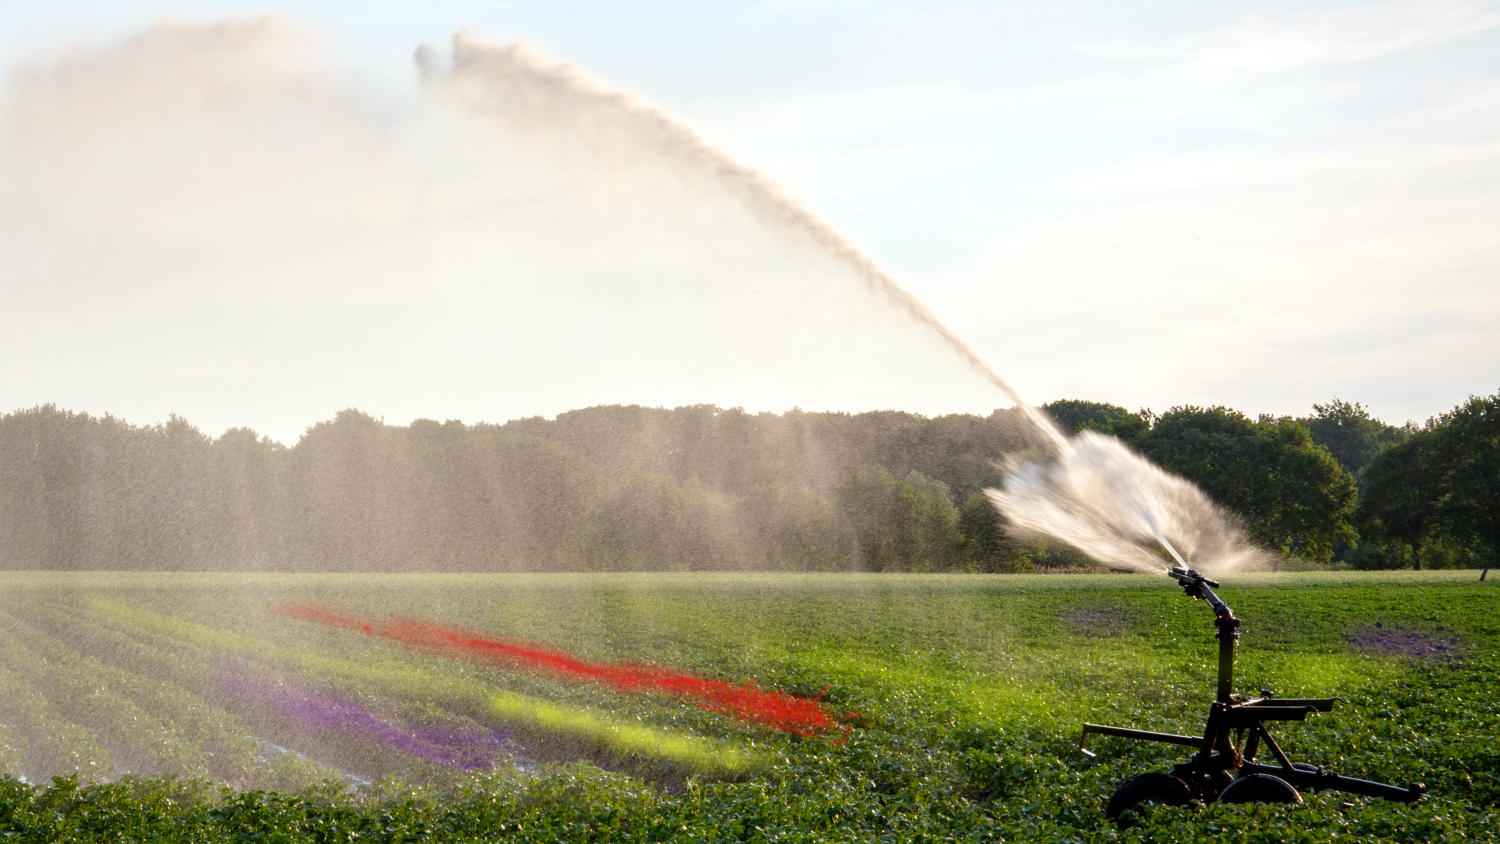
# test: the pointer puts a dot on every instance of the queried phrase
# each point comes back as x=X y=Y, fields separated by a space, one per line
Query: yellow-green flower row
x=619 y=735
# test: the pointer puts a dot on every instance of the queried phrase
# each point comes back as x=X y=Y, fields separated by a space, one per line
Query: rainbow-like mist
x=227 y=172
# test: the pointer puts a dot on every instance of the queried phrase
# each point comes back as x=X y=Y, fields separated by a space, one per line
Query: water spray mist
x=516 y=83
x=1091 y=491
x=171 y=168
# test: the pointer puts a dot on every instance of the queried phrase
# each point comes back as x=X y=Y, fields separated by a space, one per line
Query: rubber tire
x=1154 y=787
x=1260 y=788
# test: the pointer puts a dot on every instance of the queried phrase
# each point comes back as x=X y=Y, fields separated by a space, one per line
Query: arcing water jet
x=1089 y=491
x=187 y=192
x=515 y=84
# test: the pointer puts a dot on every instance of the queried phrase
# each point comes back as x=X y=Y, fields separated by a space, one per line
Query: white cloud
x=1266 y=43
x=853 y=112
x=1335 y=275
x=1354 y=168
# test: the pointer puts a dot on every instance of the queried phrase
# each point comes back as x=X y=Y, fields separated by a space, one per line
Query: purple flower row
x=466 y=748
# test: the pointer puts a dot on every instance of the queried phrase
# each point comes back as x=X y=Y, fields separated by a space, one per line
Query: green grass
x=965 y=694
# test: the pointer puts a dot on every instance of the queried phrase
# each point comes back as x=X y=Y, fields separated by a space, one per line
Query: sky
x=1148 y=204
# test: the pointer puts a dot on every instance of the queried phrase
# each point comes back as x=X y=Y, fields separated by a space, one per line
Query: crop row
x=456 y=691
x=102 y=687
x=971 y=692
x=88 y=698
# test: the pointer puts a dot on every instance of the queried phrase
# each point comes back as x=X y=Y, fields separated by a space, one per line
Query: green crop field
x=176 y=707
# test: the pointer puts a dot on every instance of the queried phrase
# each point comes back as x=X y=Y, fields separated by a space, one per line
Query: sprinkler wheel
x=1155 y=787
x=1260 y=788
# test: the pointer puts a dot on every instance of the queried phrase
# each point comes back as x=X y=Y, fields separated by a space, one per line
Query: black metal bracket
x=1236 y=730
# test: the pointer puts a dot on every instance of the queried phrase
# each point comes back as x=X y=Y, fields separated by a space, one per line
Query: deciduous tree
x=1468 y=446
x=1291 y=492
x=1350 y=434
x=1075 y=415
x=1401 y=494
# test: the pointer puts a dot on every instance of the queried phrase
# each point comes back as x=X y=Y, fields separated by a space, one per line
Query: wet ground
x=1380 y=639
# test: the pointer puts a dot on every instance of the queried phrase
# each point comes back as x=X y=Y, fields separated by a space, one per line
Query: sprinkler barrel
x=1197 y=586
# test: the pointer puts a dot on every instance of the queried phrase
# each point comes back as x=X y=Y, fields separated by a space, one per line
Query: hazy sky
x=1148 y=204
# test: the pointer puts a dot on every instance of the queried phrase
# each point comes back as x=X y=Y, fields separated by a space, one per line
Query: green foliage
x=1468 y=444
x=654 y=522
x=1400 y=501
x=1075 y=415
x=1438 y=492
x=1293 y=495
x=899 y=525
x=970 y=691
x=986 y=546
x=1350 y=434
x=603 y=488
x=700 y=487
x=1309 y=509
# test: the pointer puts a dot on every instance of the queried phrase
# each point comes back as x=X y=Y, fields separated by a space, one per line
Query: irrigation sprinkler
x=1225 y=766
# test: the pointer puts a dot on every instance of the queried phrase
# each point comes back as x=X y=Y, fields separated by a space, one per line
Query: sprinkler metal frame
x=1233 y=736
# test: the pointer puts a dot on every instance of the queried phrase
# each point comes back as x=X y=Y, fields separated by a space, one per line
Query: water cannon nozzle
x=1190 y=578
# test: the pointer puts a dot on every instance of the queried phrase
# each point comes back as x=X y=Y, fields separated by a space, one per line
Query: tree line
x=634 y=488
x=1338 y=485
